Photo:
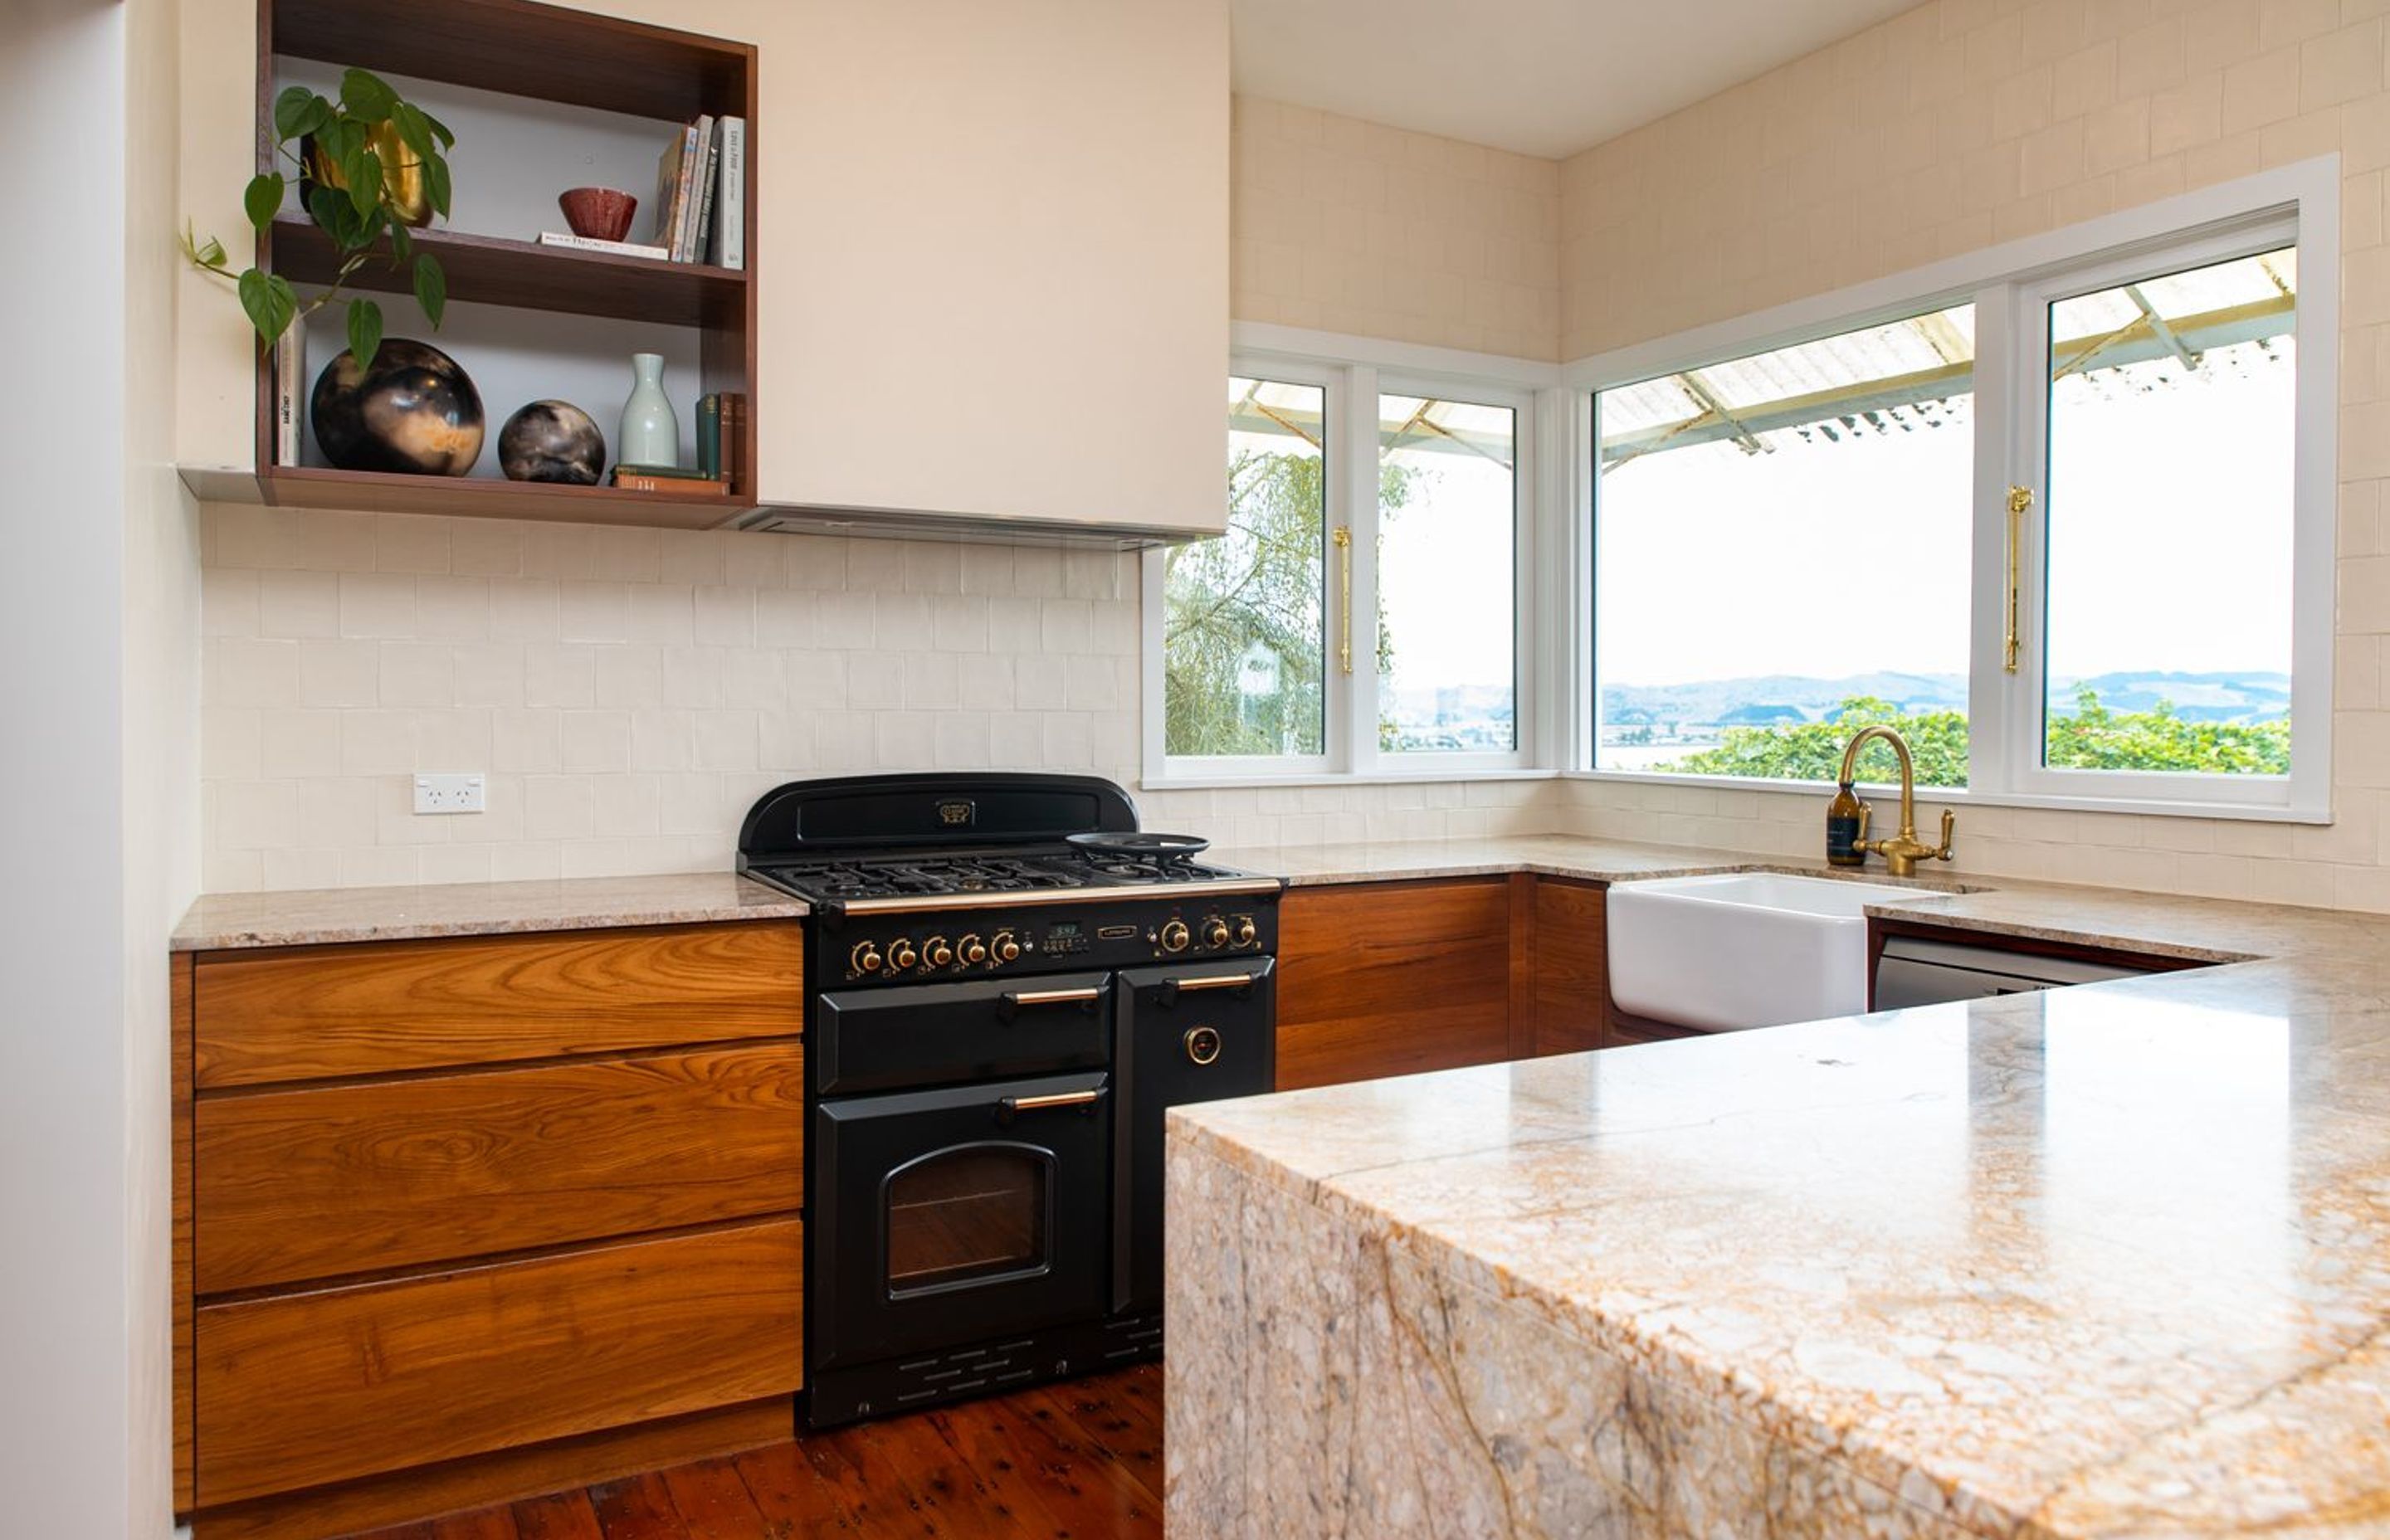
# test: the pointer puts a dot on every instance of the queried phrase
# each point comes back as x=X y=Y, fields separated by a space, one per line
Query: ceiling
x=1543 y=77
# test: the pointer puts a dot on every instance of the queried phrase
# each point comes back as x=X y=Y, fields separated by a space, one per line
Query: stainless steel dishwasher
x=1914 y=971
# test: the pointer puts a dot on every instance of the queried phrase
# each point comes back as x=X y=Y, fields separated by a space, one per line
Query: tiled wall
x=1969 y=121
x=630 y=692
x=1356 y=227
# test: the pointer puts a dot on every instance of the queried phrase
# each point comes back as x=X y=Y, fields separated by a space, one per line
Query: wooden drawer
x=306 y=1013
x=1393 y=978
x=323 y=1180
x=304 y=1389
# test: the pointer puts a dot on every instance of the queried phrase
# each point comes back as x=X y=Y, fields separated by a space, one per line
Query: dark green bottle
x=1842 y=825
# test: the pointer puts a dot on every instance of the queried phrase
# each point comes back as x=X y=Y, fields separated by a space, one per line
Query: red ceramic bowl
x=599 y=214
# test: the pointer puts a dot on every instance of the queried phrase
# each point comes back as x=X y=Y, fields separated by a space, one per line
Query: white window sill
x=1325 y=778
x=2256 y=813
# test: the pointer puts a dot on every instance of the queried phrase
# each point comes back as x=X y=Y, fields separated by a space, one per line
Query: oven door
x=952 y=1217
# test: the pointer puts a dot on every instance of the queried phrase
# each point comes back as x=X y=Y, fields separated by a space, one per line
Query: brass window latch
x=2020 y=501
x=1344 y=537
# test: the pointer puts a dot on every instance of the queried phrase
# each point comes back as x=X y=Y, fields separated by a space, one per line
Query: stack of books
x=701 y=201
x=720 y=422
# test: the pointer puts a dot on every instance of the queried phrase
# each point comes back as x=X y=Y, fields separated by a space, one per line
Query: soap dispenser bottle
x=1846 y=820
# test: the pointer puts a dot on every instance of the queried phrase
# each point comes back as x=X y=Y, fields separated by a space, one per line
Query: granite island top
x=2110 y=1261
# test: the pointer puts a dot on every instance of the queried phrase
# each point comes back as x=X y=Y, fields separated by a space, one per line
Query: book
x=698 y=245
x=289 y=394
x=672 y=186
x=664 y=473
x=683 y=486
x=730 y=196
x=709 y=434
x=733 y=434
x=697 y=146
x=611 y=248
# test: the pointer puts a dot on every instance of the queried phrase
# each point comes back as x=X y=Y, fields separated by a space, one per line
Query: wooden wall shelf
x=492 y=270
x=461 y=496
x=549 y=53
x=522 y=49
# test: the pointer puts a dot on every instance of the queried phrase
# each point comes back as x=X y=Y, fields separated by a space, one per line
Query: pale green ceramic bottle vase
x=650 y=430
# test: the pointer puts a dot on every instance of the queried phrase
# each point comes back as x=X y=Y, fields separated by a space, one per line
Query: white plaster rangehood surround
x=992 y=254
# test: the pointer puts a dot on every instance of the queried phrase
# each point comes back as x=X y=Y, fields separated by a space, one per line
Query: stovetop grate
x=848 y=880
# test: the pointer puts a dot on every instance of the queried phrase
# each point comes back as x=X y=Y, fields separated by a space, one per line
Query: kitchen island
x=2102 y=1261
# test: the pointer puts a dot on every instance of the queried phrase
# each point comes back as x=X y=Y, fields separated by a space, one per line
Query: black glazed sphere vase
x=552 y=440
x=413 y=412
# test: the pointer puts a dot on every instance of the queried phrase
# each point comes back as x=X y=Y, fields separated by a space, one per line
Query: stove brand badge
x=957 y=815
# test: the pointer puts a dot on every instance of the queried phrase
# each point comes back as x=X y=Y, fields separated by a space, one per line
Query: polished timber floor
x=1082 y=1461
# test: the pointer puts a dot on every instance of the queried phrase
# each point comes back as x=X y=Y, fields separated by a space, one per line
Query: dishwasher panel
x=1917 y=972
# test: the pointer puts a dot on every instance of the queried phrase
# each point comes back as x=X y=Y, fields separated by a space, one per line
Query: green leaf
x=299 y=112
x=402 y=245
x=366 y=95
x=364 y=171
x=263 y=199
x=364 y=331
x=269 y=302
x=435 y=182
x=414 y=129
x=431 y=288
x=439 y=131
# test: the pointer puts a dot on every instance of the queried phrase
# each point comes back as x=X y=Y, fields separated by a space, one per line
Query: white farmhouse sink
x=1741 y=949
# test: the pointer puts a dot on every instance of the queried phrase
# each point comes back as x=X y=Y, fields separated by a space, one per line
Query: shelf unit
x=549 y=53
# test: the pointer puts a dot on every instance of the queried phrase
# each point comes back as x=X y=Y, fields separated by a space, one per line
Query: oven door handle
x=1011 y=1000
x=1172 y=988
x=1008 y=1108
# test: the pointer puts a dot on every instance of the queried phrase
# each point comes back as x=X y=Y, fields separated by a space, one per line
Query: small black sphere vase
x=552 y=440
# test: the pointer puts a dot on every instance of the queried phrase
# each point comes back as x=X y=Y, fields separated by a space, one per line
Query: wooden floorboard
x=1075 y=1462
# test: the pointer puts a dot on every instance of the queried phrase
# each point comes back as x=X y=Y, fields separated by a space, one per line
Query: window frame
x=1355 y=374
x=2297 y=204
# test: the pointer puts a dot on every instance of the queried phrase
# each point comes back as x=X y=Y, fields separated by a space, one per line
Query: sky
x=2171 y=542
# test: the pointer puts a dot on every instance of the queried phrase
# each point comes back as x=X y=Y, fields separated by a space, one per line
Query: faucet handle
x=1867 y=814
x=1949 y=822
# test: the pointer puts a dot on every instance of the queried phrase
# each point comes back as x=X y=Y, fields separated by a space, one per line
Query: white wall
x=96 y=628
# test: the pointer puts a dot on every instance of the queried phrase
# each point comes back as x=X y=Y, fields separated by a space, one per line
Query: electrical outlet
x=448 y=793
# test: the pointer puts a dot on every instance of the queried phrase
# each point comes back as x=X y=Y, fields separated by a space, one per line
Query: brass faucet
x=1904 y=850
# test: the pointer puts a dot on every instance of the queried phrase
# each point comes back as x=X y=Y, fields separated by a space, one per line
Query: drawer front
x=297 y=1390
x=1393 y=979
x=319 y=1181
x=306 y=1013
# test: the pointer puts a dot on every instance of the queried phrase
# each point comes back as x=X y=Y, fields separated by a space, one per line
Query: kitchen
x=450 y=1135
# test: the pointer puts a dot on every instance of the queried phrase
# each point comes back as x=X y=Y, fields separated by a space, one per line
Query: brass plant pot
x=403 y=181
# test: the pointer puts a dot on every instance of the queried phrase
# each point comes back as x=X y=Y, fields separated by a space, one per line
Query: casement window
x=2067 y=524
x=1362 y=615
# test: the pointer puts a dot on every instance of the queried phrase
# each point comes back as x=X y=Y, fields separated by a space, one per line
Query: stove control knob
x=1174 y=936
x=1215 y=933
x=972 y=951
x=901 y=956
x=1246 y=934
x=936 y=953
x=1003 y=947
x=865 y=958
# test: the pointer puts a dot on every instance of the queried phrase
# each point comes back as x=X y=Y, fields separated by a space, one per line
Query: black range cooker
x=996 y=1016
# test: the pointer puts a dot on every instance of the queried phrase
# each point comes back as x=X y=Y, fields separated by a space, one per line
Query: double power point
x=448 y=793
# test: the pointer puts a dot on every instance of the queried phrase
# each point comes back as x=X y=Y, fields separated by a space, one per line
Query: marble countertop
x=2103 y=1261
x=319 y=917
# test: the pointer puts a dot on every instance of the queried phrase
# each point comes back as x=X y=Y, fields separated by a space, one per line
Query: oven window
x=967 y=1215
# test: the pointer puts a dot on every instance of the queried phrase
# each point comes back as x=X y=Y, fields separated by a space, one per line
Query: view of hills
x=1756 y=702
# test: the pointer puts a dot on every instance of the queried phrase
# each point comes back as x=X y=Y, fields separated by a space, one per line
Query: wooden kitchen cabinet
x=1378 y=979
x=1572 y=951
x=465 y=1219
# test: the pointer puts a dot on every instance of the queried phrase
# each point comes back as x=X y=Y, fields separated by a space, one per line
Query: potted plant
x=369 y=167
